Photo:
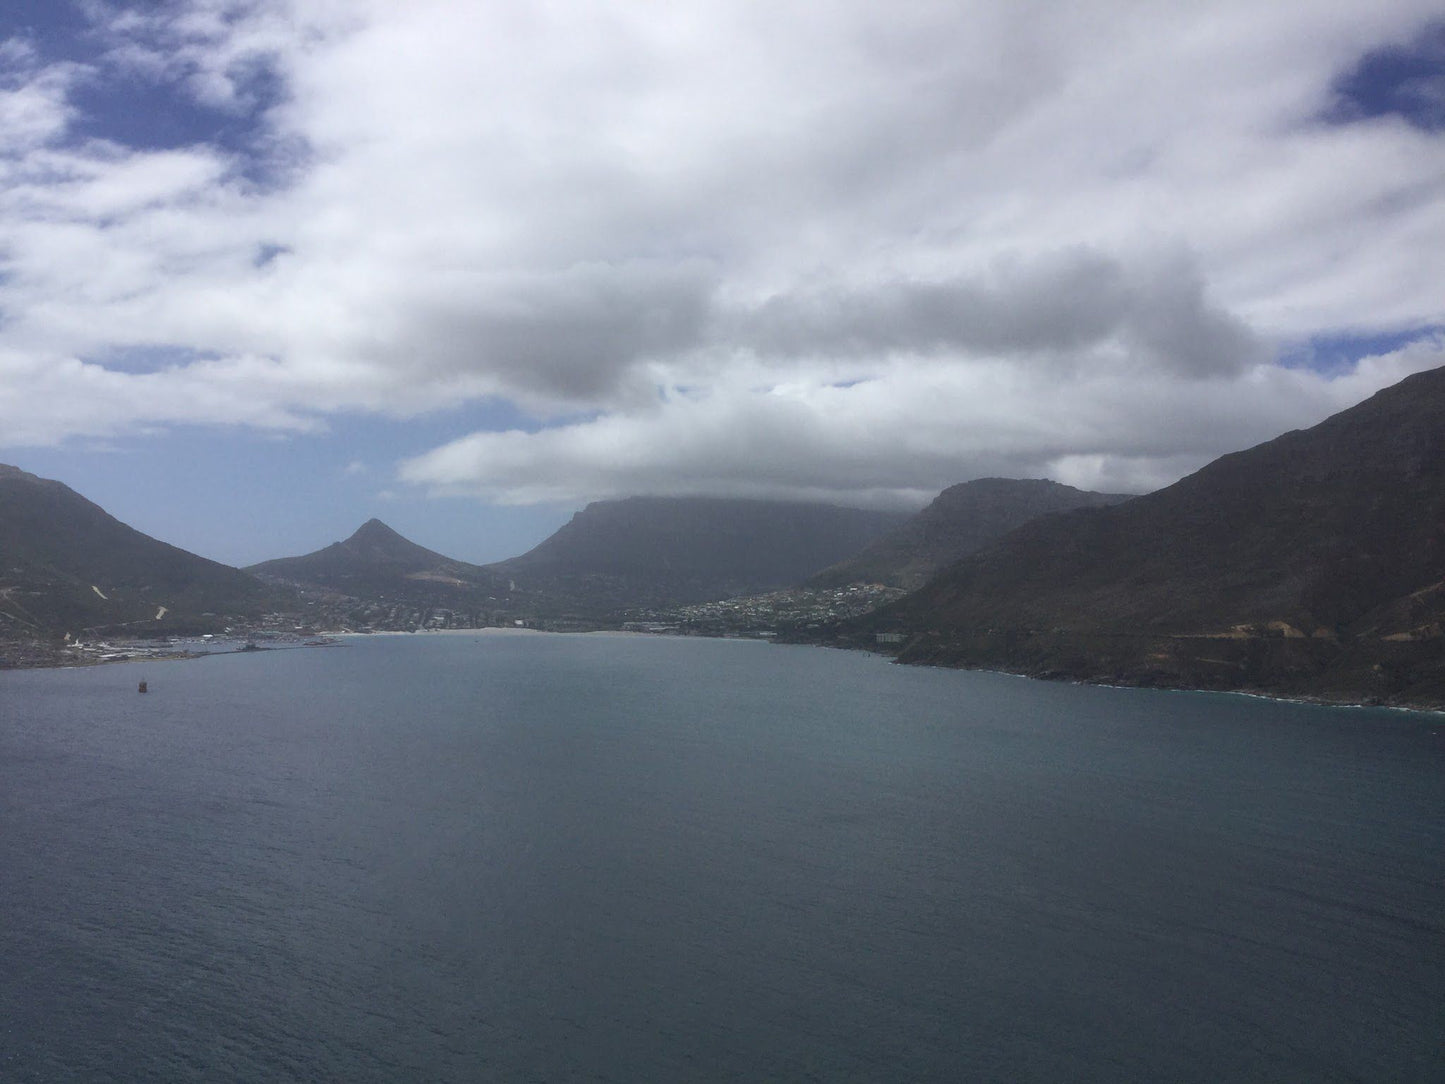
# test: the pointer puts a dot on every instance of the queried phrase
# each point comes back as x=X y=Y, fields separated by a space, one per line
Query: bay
x=512 y=856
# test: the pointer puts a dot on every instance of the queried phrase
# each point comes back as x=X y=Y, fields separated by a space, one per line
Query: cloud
x=795 y=248
x=1062 y=307
x=34 y=105
x=898 y=439
x=570 y=336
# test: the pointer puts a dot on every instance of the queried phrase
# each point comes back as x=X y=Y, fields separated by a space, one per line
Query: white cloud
x=898 y=439
x=795 y=248
x=33 y=98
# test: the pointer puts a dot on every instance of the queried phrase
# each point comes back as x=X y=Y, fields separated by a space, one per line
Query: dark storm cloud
x=1059 y=307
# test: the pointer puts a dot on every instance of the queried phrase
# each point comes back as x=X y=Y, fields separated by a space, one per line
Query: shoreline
x=1303 y=699
x=55 y=660
x=1426 y=707
x=38 y=656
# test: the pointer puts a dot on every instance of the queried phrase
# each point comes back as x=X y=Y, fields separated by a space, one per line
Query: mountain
x=1312 y=564
x=377 y=562
x=66 y=565
x=961 y=519
x=663 y=551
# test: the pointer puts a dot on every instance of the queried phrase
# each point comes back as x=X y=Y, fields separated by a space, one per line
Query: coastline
x=1426 y=707
x=1078 y=674
x=37 y=655
x=1310 y=700
x=44 y=657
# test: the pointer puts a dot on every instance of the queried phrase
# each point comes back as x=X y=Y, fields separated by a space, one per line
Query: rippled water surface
x=526 y=857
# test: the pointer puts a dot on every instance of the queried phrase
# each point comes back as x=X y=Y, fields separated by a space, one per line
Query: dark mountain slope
x=67 y=565
x=1314 y=562
x=657 y=551
x=375 y=562
x=961 y=519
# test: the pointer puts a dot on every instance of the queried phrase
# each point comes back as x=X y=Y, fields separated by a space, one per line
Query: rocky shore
x=1364 y=671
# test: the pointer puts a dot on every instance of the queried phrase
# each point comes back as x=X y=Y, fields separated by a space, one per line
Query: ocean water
x=521 y=857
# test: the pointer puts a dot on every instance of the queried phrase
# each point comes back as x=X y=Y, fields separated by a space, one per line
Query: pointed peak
x=374 y=528
x=376 y=541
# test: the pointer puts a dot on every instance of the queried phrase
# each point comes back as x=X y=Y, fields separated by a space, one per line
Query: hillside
x=374 y=561
x=658 y=551
x=391 y=581
x=1314 y=563
x=66 y=565
x=960 y=520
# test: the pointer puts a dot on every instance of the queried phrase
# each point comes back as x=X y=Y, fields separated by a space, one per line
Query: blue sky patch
x=233 y=494
x=1336 y=354
x=1406 y=81
x=151 y=358
x=153 y=110
x=58 y=28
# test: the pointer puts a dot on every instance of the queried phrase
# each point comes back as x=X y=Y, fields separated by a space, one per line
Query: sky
x=269 y=268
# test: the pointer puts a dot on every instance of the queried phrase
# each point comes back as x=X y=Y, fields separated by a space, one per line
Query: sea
x=512 y=856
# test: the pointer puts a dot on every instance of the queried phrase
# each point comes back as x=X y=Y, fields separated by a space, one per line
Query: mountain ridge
x=1316 y=559
x=376 y=565
x=67 y=565
x=613 y=556
x=657 y=551
x=963 y=518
